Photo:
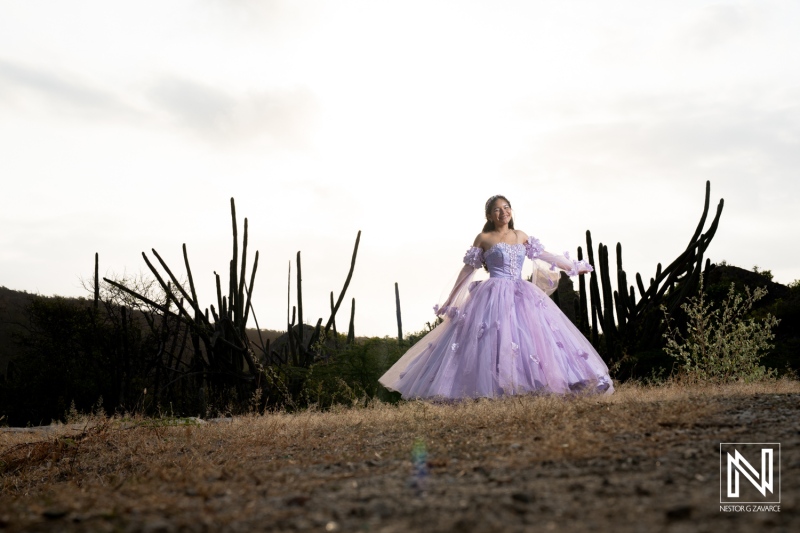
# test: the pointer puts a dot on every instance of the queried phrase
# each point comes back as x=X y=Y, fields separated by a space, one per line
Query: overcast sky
x=129 y=126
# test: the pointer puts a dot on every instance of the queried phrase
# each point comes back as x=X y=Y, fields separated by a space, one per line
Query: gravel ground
x=659 y=472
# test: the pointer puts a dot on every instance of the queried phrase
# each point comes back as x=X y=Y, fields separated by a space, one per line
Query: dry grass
x=489 y=462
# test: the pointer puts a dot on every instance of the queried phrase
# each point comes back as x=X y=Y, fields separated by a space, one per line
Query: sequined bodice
x=505 y=260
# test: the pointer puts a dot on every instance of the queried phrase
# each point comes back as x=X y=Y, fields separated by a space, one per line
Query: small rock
x=481 y=470
x=157 y=526
x=297 y=501
x=679 y=512
x=691 y=453
x=357 y=511
x=55 y=513
x=523 y=497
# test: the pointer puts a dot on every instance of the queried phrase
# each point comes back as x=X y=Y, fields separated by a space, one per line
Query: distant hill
x=13 y=321
x=781 y=301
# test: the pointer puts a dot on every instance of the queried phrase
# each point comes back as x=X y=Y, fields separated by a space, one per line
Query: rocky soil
x=645 y=459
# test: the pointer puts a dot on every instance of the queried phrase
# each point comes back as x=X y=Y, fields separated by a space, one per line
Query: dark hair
x=489 y=226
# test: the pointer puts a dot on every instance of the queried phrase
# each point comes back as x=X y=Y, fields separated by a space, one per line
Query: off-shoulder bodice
x=505 y=260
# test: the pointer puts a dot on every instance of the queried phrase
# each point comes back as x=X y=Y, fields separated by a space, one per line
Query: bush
x=345 y=375
x=722 y=343
x=65 y=359
x=351 y=374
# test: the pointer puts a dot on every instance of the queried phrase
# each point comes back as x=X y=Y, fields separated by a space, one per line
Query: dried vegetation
x=645 y=458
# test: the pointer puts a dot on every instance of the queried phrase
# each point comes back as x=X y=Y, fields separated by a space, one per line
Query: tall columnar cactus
x=300 y=321
x=621 y=304
x=346 y=284
x=303 y=353
x=629 y=324
x=333 y=323
x=96 y=282
x=293 y=347
x=351 y=331
x=290 y=323
x=397 y=307
x=581 y=313
x=594 y=291
x=219 y=356
x=222 y=353
x=609 y=329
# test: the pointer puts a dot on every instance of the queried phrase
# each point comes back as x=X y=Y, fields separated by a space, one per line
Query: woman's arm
x=473 y=260
x=563 y=262
x=534 y=249
x=464 y=278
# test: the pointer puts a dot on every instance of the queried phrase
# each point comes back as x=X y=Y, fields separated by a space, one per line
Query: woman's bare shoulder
x=521 y=236
x=480 y=239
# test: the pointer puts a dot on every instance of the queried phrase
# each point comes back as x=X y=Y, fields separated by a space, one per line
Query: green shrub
x=350 y=374
x=722 y=343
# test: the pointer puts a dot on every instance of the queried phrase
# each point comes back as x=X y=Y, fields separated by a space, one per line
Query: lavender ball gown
x=501 y=336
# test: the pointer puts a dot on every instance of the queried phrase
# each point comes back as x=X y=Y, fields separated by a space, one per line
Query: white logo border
x=721 y=481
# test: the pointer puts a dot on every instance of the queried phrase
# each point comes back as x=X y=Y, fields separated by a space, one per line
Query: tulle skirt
x=509 y=338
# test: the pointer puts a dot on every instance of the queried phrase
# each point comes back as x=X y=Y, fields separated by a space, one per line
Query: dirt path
x=644 y=460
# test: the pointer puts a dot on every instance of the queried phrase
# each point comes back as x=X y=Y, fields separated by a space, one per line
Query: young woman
x=503 y=335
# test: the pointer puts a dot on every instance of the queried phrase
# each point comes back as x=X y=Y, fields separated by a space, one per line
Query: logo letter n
x=762 y=481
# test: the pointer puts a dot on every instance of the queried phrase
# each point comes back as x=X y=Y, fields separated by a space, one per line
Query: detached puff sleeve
x=473 y=260
x=563 y=262
x=534 y=249
x=474 y=257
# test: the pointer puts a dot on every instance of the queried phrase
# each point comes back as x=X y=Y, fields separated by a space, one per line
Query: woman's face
x=500 y=212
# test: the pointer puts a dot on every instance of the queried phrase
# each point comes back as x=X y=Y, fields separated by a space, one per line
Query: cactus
x=637 y=325
x=581 y=314
x=555 y=296
x=292 y=345
x=609 y=330
x=241 y=305
x=346 y=283
x=314 y=339
x=249 y=299
x=290 y=323
x=96 y=281
x=397 y=307
x=303 y=353
x=351 y=332
x=215 y=361
x=594 y=291
x=300 y=321
x=333 y=325
x=222 y=352
x=624 y=307
x=577 y=311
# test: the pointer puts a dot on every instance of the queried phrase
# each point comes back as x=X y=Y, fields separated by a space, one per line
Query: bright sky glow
x=125 y=127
